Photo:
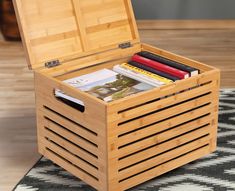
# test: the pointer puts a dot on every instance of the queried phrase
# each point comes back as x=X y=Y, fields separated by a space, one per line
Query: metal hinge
x=52 y=63
x=125 y=45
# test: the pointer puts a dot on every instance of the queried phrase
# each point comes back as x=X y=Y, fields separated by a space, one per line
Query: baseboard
x=185 y=24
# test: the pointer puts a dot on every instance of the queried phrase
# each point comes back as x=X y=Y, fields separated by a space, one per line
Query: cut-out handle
x=68 y=100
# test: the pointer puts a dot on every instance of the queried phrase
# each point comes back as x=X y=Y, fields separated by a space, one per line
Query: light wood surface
x=214 y=47
x=185 y=24
x=73 y=28
x=18 y=149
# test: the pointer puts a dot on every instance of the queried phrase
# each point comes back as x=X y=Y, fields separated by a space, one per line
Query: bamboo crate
x=118 y=145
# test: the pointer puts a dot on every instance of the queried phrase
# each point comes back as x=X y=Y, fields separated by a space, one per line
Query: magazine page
x=106 y=85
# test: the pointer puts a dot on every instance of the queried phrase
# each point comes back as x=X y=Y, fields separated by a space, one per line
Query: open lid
x=63 y=29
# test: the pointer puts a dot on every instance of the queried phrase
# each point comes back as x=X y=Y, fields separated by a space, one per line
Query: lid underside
x=58 y=29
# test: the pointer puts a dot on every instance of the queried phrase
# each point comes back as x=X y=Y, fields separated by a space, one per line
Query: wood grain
x=213 y=47
x=73 y=28
x=18 y=149
x=185 y=24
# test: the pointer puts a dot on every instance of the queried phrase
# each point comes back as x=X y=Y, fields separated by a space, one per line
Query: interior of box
x=109 y=65
x=90 y=69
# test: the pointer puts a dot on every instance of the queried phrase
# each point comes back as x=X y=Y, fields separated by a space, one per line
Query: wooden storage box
x=118 y=145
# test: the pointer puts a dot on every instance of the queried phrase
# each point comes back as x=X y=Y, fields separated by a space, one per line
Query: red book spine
x=161 y=67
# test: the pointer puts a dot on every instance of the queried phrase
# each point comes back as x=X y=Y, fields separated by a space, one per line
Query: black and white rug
x=215 y=172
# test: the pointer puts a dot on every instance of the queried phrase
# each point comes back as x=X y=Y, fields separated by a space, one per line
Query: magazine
x=106 y=85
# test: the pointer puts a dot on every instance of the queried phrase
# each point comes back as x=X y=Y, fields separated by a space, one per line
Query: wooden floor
x=17 y=117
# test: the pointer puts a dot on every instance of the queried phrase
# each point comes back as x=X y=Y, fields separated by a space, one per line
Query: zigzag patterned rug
x=215 y=172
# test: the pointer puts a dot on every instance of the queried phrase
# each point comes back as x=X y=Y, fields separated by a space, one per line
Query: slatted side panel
x=108 y=22
x=71 y=145
x=67 y=137
x=164 y=133
x=71 y=141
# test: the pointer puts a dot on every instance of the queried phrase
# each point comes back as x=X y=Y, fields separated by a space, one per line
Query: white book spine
x=90 y=78
x=137 y=76
x=147 y=78
x=58 y=93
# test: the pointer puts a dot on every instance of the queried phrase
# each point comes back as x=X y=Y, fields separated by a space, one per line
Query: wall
x=184 y=9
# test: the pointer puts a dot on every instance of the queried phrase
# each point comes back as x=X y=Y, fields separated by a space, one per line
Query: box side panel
x=71 y=138
x=159 y=132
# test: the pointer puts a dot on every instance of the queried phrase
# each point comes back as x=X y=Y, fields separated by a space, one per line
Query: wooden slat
x=160 y=148
x=163 y=168
x=172 y=111
x=159 y=104
x=70 y=136
x=160 y=138
x=129 y=171
x=72 y=158
x=173 y=121
x=169 y=123
x=76 y=128
x=159 y=127
x=69 y=146
x=72 y=169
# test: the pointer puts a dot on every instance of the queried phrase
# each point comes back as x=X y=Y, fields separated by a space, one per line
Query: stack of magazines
x=143 y=72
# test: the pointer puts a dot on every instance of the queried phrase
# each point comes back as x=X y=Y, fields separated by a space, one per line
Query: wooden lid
x=64 y=29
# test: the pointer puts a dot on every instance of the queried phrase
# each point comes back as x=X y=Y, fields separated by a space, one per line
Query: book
x=62 y=96
x=192 y=71
x=106 y=85
x=161 y=67
x=82 y=81
x=147 y=73
x=152 y=70
x=137 y=76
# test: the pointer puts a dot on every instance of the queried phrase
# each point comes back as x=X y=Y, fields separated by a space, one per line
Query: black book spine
x=149 y=69
x=168 y=62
